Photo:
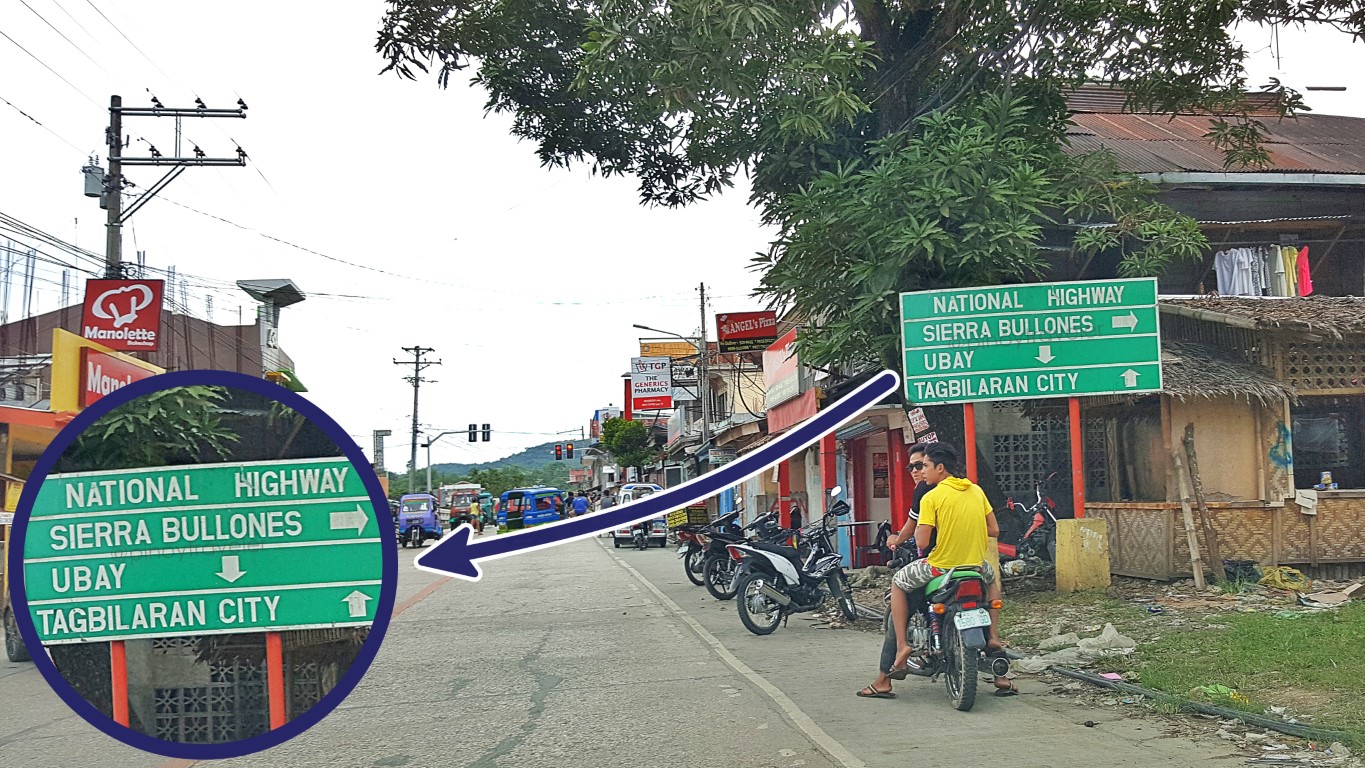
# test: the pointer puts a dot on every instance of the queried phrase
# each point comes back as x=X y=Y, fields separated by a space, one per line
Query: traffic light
x=570 y=450
x=559 y=452
x=473 y=433
x=487 y=433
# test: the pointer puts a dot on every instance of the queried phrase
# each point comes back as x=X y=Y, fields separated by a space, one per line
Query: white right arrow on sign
x=357 y=519
x=357 y=600
x=1128 y=321
x=1045 y=355
x=1130 y=378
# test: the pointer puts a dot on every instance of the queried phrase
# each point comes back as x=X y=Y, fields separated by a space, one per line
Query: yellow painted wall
x=1082 y=555
x=66 y=368
x=1227 y=444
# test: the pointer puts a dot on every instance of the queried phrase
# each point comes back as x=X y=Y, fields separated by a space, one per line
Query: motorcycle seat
x=777 y=549
x=956 y=574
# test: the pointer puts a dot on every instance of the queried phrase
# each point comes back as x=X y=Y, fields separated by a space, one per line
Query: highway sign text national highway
x=1018 y=342
x=202 y=549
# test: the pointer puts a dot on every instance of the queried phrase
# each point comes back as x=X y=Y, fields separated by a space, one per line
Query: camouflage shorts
x=917 y=574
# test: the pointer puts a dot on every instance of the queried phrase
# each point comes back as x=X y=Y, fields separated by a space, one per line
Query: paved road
x=585 y=656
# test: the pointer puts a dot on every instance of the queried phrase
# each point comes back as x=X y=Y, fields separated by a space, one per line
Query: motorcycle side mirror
x=835 y=491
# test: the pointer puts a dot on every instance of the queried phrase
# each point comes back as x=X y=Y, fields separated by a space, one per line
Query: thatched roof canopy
x=1195 y=370
x=1332 y=316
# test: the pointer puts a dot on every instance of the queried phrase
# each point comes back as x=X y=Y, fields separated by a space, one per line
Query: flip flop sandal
x=875 y=694
x=1013 y=690
x=898 y=673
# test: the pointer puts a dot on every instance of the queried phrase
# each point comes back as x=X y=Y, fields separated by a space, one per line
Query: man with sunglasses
x=957 y=516
x=881 y=687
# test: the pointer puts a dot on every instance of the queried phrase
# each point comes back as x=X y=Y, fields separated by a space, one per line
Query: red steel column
x=900 y=499
x=969 y=438
x=274 y=678
x=118 y=667
x=784 y=490
x=626 y=411
x=829 y=478
x=857 y=460
x=1077 y=457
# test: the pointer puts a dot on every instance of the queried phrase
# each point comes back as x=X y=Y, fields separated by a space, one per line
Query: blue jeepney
x=524 y=507
x=417 y=521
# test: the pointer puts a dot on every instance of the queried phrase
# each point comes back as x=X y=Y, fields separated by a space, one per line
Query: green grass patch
x=1314 y=664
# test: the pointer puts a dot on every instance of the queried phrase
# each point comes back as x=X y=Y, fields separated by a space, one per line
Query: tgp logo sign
x=123 y=314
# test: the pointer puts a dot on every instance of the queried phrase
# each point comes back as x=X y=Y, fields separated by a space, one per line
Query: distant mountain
x=531 y=458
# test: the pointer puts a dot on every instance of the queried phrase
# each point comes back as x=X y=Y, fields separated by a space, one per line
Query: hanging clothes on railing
x=1240 y=272
x=1305 y=279
x=1279 y=273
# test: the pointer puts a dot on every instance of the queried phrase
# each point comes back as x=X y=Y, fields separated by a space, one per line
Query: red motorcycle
x=1039 y=542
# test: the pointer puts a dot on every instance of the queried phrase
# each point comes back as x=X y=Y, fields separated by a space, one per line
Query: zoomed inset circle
x=378 y=509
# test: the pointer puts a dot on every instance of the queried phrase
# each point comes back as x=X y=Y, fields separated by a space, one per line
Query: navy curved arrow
x=455 y=555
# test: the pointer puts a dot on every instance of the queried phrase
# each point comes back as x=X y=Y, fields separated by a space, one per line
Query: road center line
x=803 y=722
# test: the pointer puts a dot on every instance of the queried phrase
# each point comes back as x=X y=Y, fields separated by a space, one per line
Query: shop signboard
x=123 y=315
x=202 y=549
x=1038 y=340
x=746 y=331
x=651 y=384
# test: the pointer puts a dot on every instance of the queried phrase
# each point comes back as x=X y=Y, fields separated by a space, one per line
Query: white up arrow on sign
x=232 y=569
x=357 y=600
x=1045 y=355
x=357 y=519
x=1130 y=377
x=1128 y=321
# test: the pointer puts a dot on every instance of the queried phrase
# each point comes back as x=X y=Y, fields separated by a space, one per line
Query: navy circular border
x=326 y=704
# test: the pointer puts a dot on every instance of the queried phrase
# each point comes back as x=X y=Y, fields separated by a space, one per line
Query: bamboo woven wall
x=1147 y=540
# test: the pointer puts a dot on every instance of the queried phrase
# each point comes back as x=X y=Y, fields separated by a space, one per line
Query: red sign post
x=123 y=314
x=746 y=331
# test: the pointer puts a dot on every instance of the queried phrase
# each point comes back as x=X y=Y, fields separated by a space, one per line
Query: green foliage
x=961 y=200
x=628 y=442
x=179 y=425
x=894 y=146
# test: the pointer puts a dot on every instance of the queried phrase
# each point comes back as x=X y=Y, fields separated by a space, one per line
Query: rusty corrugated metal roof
x=1143 y=143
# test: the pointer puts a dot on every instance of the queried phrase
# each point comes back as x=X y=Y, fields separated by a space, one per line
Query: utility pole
x=418 y=365
x=113 y=192
x=113 y=183
x=703 y=375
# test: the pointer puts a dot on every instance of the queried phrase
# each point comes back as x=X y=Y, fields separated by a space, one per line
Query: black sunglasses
x=917 y=466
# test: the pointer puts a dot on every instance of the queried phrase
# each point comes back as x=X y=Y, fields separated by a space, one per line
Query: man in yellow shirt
x=959 y=512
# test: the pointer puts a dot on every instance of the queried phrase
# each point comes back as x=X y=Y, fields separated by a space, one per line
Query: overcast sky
x=525 y=280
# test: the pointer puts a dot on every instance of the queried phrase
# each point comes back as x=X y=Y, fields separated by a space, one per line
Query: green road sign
x=1020 y=342
x=202 y=549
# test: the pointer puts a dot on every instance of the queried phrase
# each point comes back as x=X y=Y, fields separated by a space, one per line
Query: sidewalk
x=820 y=670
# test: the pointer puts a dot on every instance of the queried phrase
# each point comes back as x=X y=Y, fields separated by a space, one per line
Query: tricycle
x=417 y=520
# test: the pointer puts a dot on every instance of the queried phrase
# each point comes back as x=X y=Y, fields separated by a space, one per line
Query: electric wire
x=50 y=69
x=64 y=37
x=38 y=123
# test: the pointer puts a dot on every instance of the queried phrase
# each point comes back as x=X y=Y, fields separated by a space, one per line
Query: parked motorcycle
x=693 y=541
x=775 y=581
x=1039 y=542
x=719 y=567
x=639 y=535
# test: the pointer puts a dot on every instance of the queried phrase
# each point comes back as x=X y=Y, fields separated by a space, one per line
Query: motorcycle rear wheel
x=758 y=613
x=717 y=577
x=844 y=596
x=960 y=667
x=692 y=565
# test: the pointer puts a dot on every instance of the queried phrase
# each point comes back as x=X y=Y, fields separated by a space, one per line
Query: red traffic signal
x=559 y=452
x=570 y=450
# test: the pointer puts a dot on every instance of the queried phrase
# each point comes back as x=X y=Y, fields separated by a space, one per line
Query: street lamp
x=427 y=445
x=703 y=377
